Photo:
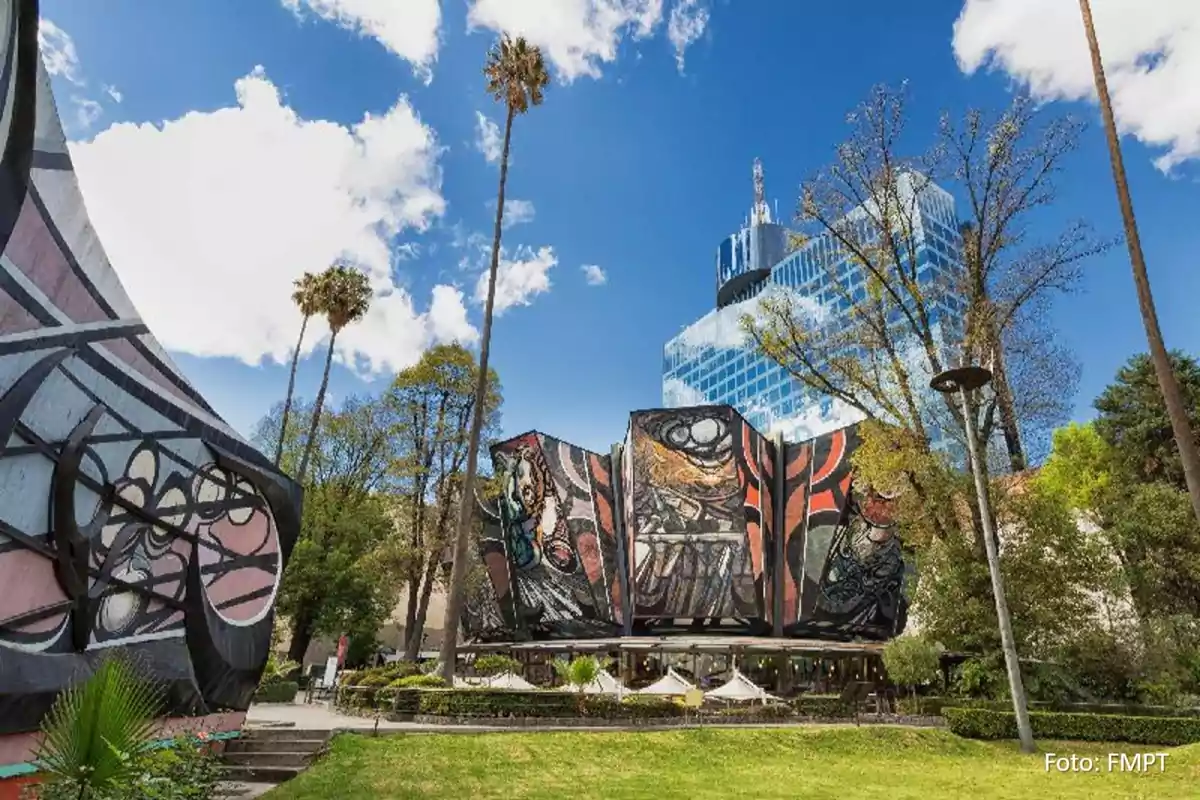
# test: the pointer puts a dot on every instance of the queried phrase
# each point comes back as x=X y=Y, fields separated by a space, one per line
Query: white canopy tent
x=739 y=688
x=507 y=680
x=604 y=684
x=670 y=684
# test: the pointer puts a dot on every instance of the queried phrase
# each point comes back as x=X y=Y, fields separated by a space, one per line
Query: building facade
x=711 y=361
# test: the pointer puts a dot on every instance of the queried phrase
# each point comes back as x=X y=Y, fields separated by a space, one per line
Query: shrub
x=495 y=665
x=277 y=692
x=829 y=706
x=911 y=661
x=419 y=681
x=979 y=723
x=373 y=680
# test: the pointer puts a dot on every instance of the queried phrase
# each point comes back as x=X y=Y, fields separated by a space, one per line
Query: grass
x=810 y=762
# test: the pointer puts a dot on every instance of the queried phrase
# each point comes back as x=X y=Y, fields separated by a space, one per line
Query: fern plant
x=580 y=672
x=96 y=732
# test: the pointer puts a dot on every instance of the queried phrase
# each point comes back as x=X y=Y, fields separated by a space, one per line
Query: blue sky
x=632 y=166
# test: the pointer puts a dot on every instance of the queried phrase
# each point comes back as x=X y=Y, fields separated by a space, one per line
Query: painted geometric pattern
x=131 y=515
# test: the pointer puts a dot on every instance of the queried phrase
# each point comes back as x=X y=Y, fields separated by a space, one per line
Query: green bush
x=979 y=723
x=496 y=665
x=933 y=706
x=374 y=680
x=277 y=692
x=829 y=706
x=419 y=681
x=507 y=703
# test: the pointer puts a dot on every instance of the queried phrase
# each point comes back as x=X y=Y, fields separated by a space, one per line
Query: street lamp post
x=960 y=381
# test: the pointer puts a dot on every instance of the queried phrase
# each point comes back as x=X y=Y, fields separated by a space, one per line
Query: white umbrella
x=604 y=684
x=670 y=684
x=738 y=688
x=507 y=680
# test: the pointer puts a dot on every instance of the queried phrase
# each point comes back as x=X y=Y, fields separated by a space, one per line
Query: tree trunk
x=413 y=649
x=311 y=442
x=1008 y=409
x=302 y=634
x=1167 y=382
x=458 y=573
x=287 y=401
x=410 y=610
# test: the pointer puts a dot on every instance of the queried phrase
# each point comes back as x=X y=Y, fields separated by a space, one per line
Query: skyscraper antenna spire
x=761 y=213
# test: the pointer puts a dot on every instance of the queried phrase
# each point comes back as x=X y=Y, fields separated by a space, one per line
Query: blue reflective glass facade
x=711 y=362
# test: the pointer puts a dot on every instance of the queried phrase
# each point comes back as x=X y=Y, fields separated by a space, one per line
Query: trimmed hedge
x=506 y=703
x=979 y=723
x=932 y=706
x=419 y=682
x=277 y=692
x=826 y=706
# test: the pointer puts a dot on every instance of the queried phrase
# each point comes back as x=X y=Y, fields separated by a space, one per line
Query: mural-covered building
x=133 y=519
x=697 y=523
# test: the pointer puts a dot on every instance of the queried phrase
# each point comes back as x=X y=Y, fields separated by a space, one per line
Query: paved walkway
x=321 y=717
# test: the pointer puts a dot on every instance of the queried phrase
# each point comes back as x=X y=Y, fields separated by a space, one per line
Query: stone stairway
x=271 y=755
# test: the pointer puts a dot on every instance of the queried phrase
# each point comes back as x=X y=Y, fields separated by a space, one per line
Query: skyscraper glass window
x=711 y=361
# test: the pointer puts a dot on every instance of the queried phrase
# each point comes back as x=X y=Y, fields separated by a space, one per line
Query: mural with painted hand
x=131 y=515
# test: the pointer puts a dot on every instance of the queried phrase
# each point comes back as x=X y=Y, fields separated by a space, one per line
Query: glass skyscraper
x=711 y=361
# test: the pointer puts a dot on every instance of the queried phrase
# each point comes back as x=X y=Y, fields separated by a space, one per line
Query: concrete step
x=282 y=734
x=254 y=744
x=269 y=759
x=242 y=773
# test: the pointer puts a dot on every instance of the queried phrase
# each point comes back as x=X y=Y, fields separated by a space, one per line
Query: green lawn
x=811 y=762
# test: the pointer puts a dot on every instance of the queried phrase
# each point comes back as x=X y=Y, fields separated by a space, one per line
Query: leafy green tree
x=1132 y=418
x=517 y=77
x=344 y=298
x=434 y=401
x=912 y=661
x=307 y=295
x=336 y=579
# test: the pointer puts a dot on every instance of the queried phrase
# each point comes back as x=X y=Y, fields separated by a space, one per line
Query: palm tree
x=97 y=731
x=307 y=297
x=345 y=296
x=516 y=76
x=1172 y=397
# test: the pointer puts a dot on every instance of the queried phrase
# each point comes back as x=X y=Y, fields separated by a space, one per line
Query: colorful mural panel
x=132 y=518
x=556 y=527
x=691 y=557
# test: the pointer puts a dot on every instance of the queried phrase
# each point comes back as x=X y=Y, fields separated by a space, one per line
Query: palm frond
x=97 y=728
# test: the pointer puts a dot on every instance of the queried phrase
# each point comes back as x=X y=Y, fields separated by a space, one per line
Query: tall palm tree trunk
x=287 y=402
x=1167 y=382
x=311 y=441
x=458 y=571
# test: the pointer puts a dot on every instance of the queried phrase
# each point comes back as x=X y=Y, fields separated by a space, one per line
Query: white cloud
x=516 y=212
x=408 y=28
x=488 y=139
x=86 y=111
x=226 y=208
x=686 y=25
x=58 y=52
x=721 y=328
x=1151 y=56
x=578 y=36
x=677 y=394
x=114 y=93
x=594 y=275
x=520 y=279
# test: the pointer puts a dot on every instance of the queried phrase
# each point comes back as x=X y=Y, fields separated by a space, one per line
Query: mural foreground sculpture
x=132 y=517
x=696 y=521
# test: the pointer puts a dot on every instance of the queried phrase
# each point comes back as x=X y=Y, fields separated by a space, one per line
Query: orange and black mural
x=712 y=525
